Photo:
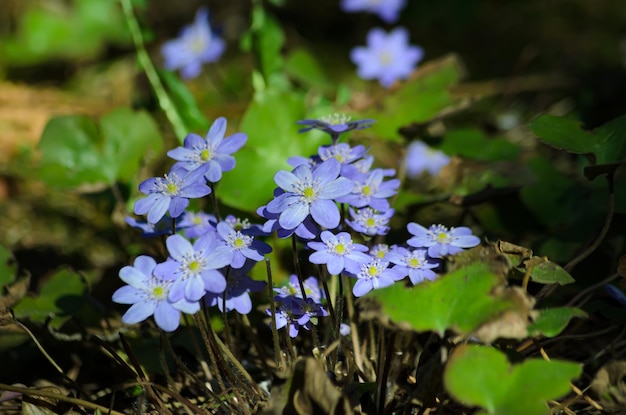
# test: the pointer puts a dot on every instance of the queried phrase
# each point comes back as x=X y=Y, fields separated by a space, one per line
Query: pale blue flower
x=371 y=191
x=388 y=10
x=149 y=296
x=195 y=46
x=338 y=252
x=335 y=125
x=211 y=155
x=413 y=263
x=421 y=158
x=242 y=246
x=311 y=288
x=369 y=221
x=387 y=57
x=440 y=240
x=193 y=269
x=374 y=275
x=196 y=224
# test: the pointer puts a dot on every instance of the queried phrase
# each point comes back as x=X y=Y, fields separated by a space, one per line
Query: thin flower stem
x=354 y=333
x=216 y=209
x=296 y=264
x=166 y=104
x=203 y=327
x=331 y=309
x=255 y=340
x=280 y=364
x=162 y=361
x=196 y=347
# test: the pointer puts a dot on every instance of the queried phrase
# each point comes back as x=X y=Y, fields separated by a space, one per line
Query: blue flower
x=342 y=152
x=338 y=252
x=196 y=224
x=374 y=275
x=297 y=313
x=413 y=263
x=388 y=10
x=238 y=290
x=379 y=251
x=193 y=269
x=387 y=57
x=306 y=230
x=311 y=289
x=421 y=158
x=370 y=222
x=242 y=246
x=372 y=191
x=195 y=46
x=170 y=193
x=440 y=240
x=162 y=227
x=211 y=155
x=310 y=192
x=149 y=296
x=335 y=125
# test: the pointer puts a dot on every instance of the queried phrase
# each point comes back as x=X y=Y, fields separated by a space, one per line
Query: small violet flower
x=195 y=46
x=387 y=57
x=310 y=192
x=306 y=230
x=372 y=191
x=422 y=158
x=370 y=222
x=338 y=252
x=374 y=275
x=196 y=224
x=193 y=269
x=242 y=246
x=238 y=290
x=379 y=251
x=413 y=263
x=148 y=296
x=311 y=289
x=388 y=10
x=297 y=313
x=211 y=155
x=170 y=193
x=335 y=125
x=440 y=240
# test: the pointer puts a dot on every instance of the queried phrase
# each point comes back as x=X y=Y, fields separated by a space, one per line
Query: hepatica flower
x=374 y=275
x=413 y=263
x=193 y=269
x=238 y=290
x=372 y=191
x=312 y=192
x=242 y=246
x=335 y=125
x=388 y=10
x=440 y=240
x=369 y=221
x=196 y=224
x=422 y=158
x=387 y=57
x=311 y=289
x=170 y=193
x=338 y=252
x=149 y=296
x=195 y=46
x=211 y=155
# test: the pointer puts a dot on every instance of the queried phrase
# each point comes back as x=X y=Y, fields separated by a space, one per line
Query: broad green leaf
x=185 y=103
x=59 y=297
x=546 y=272
x=607 y=142
x=473 y=144
x=8 y=267
x=417 y=100
x=272 y=138
x=75 y=150
x=552 y=321
x=482 y=376
x=267 y=39
x=462 y=301
x=302 y=66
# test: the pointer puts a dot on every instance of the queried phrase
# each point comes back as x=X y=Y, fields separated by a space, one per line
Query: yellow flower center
x=194 y=266
x=340 y=249
x=308 y=192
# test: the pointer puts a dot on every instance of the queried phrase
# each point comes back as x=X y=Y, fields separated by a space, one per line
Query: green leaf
x=8 y=267
x=552 y=321
x=417 y=100
x=59 y=297
x=272 y=138
x=462 y=301
x=267 y=42
x=76 y=151
x=302 y=66
x=482 y=376
x=473 y=144
x=185 y=103
x=546 y=272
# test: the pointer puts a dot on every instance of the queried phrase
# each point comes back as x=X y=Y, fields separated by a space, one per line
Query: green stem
x=163 y=98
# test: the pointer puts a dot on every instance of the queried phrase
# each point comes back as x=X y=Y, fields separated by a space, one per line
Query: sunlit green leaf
x=482 y=376
x=302 y=66
x=546 y=272
x=552 y=321
x=473 y=144
x=185 y=103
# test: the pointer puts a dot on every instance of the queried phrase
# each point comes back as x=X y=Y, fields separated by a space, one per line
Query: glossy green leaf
x=75 y=150
x=185 y=103
x=546 y=272
x=473 y=144
x=417 y=100
x=462 y=301
x=482 y=376
x=552 y=321
x=270 y=122
x=8 y=267
x=59 y=297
